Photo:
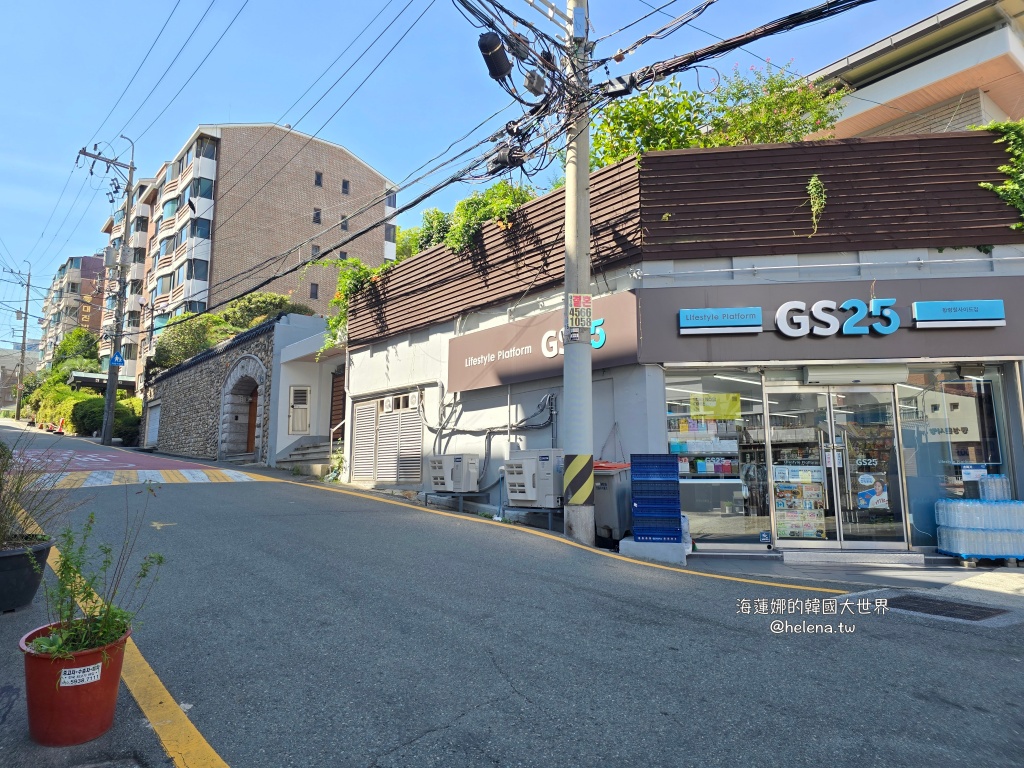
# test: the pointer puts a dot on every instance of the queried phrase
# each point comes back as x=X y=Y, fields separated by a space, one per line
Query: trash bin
x=611 y=499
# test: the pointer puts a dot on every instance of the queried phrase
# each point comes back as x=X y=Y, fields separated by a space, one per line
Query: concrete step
x=240 y=458
x=312 y=468
x=322 y=450
x=848 y=557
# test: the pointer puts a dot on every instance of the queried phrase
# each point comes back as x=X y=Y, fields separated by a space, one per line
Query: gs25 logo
x=794 y=320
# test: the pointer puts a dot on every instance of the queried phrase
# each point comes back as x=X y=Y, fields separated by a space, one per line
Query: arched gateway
x=242 y=409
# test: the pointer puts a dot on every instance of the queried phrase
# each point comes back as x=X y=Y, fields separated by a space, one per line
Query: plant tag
x=80 y=675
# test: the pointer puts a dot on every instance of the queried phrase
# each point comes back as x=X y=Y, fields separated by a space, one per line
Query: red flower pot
x=71 y=701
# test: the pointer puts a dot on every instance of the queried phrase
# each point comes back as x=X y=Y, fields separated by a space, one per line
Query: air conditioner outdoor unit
x=534 y=478
x=856 y=374
x=457 y=473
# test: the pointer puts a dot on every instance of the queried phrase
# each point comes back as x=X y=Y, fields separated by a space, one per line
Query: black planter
x=19 y=581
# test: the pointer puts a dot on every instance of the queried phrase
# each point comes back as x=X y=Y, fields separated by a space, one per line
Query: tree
x=763 y=107
x=436 y=224
x=246 y=311
x=78 y=343
x=407 y=241
x=496 y=203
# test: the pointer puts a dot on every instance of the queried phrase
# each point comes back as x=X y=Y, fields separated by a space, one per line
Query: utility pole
x=118 y=262
x=578 y=439
x=24 y=345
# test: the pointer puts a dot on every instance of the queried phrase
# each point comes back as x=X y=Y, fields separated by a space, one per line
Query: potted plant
x=73 y=663
x=31 y=502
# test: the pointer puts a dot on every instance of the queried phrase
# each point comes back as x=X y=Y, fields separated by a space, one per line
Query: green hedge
x=83 y=413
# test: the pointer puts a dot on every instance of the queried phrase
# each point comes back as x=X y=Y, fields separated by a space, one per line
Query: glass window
x=133 y=319
x=316 y=216
x=182 y=237
x=164 y=285
x=170 y=175
x=170 y=208
x=392 y=200
x=139 y=256
x=189 y=155
x=344 y=186
x=179 y=275
x=167 y=246
x=201 y=228
x=390 y=233
x=75 y=263
x=118 y=216
x=206 y=147
x=130 y=351
x=318 y=179
x=344 y=224
x=195 y=306
x=716 y=430
x=198 y=269
x=159 y=321
x=73 y=287
x=202 y=187
x=141 y=224
x=315 y=251
x=314 y=290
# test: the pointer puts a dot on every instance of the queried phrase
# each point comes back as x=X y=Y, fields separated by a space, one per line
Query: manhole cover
x=945 y=608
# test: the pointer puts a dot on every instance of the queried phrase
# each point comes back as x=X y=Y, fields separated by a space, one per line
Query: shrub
x=87 y=415
x=126 y=427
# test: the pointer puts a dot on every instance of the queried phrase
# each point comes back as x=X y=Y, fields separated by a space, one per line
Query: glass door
x=835 y=467
x=866 y=468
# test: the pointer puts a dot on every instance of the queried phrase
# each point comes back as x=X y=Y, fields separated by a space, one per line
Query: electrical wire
x=136 y=73
x=168 y=69
x=196 y=70
x=312 y=85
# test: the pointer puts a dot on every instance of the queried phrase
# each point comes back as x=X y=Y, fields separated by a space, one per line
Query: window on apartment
x=342 y=255
x=318 y=179
x=116 y=243
x=182 y=166
x=392 y=200
x=118 y=216
x=316 y=216
x=182 y=236
x=163 y=285
x=130 y=351
x=74 y=287
x=141 y=224
x=202 y=187
x=71 y=313
x=110 y=303
x=179 y=276
x=167 y=246
x=190 y=155
x=206 y=147
x=134 y=287
x=314 y=290
x=138 y=256
x=201 y=228
x=75 y=263
x=133 y=319
x=315 y=251
x=390 y=233
x=344 y=186
x=170 y=175
x=170 y=208
x=198 y=269
x=344 y=224
x=195 y=306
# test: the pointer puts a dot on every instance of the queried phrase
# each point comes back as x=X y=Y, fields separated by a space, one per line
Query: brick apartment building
x=228 y=211
x=73 y=300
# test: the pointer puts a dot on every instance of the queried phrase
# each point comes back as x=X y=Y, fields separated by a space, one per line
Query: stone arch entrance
x=242 y=409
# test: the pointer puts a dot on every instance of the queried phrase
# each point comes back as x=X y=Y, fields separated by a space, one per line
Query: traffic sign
x=117 y=359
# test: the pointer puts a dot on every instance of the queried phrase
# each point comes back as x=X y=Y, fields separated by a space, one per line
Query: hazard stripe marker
x=579 y=479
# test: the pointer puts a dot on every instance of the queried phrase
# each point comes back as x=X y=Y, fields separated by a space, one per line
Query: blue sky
x=66 y=63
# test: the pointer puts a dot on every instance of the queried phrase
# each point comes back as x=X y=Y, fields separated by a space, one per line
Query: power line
x=196 y=70
x=54 y=209
x=137 y=70
x=359 y=58
x=311 y=86
x=168 y=69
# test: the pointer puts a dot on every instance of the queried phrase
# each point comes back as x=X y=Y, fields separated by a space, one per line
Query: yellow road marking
x=72 y=480
x=125 y=477
x=173 y=476
x=216 y=476
x=567 y=542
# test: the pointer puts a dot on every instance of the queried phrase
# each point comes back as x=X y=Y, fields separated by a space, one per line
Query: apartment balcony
x=117 y=230
x=138 y=239
x=142 y=209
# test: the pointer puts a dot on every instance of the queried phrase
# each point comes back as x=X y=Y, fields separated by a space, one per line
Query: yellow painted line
x=125 y=477
x=216 y=476
x=72 y=480
x=173 y=476
x=567 y=542
x=181 y=740
x=264 y=478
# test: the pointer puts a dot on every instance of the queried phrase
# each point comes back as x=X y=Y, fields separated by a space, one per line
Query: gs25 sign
x=826 y=318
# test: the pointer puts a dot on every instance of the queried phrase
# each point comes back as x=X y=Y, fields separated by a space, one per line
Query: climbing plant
x=1011 y=191
x=498 y=202
x=817 y=198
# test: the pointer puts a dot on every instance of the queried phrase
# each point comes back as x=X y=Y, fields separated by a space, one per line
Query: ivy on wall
x=1010 y=191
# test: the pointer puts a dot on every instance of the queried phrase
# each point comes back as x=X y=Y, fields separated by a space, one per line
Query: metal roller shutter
x=389 y=427
x=364 y=438
x=410 y=449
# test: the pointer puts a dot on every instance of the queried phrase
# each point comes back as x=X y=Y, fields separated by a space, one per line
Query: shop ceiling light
x=734 y=378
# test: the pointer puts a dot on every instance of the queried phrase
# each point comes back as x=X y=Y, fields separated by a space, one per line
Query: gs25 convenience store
x=834 y=415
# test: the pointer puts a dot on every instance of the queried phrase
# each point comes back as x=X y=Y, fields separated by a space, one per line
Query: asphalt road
x=301 y=627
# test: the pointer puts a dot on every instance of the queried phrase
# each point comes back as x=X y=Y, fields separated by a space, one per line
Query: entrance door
x=835 y=467
x=250 y=437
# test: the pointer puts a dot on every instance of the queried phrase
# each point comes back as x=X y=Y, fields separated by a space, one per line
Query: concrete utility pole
x=578 y=435
x=24 y=344
x=119 y=263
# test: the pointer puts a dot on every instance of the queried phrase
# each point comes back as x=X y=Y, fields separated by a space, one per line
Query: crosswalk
x=102 y=478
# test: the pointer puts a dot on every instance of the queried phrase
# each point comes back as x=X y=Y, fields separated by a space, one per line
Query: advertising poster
x=722 y=406
x=800 y=510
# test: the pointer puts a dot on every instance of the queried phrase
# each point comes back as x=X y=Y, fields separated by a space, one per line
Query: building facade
x=818 y=388
x=238 y=206
x=74 y=299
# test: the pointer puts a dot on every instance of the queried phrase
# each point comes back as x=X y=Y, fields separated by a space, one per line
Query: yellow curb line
x=567 y=542
x=179 y=737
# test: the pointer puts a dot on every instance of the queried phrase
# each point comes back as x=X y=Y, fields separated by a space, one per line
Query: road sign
x=579 y=312
x=117 y=359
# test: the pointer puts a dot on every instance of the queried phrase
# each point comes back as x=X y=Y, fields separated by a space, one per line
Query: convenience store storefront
x=835 y=415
